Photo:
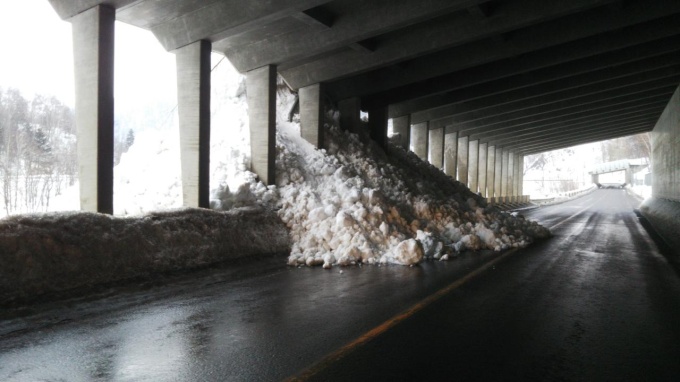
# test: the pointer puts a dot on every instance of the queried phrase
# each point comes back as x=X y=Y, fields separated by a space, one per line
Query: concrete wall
x=662 y=210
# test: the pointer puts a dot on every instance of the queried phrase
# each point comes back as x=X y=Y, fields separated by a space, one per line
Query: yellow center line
x=385 y=326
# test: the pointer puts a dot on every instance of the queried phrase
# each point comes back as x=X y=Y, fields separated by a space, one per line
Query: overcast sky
x=37 y=57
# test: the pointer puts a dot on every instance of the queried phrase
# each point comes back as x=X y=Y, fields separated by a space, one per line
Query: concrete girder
x=551 y=138
x=552 y=80
x=512 y=128
x=365 y=20
x=560 y=31
x=69 y=8
x=565 y=127
x=633 y=43
x=522 y=99
x=588 y=139
x=565 y=89
x=221 y=19
x=496 y=94
x=439 y=34
x=515 y=131
x=591 y=102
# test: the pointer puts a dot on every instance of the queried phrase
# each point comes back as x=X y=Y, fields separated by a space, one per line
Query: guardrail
x=564 y=196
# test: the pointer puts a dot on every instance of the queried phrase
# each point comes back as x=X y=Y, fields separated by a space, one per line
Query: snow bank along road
x=597 y=301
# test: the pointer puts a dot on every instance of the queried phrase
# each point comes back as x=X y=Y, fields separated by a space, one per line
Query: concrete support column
x=520 y=176
x=419 y=138
x=436 y=147
x=193 y=107
x=261 y=90
x=450 y=153
x=510 y=192
x=93 y=48
x=490 y=171
x=519 y=164
x=402 y=126
x=498 y=172
x=311 y=114
x=473 y=165
x=377 y=121
x=505 y=173
x=481 y=169
x=350 y=114
x=595 y=178
x=463 y=150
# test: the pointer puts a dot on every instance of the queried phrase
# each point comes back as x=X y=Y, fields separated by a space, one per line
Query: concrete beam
x=590 y=102
x=69 y=8
x=360 y=23
x=350 y=115
x=593 y=136
x=261 y=94
x=193 y=106
x=419 y=140
x=439 y=34
x=218 y=20
x=451 y=154
x=545 y=35
x=482 y=168
x=538 y=124
x=436 y=148
x=490 y=172
x=312 y=114
x=512 y=90
x=594 y=53
x=93 y=50
x=583 y=140
x=528 y=98
x=463 y=159
x=567 y=128
x=402 y=126
x=377 y=122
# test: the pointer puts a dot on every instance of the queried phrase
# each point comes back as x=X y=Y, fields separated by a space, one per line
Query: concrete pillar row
x=473 y=165
x=451 y=154
x=193 y=107
x=402 y=126
x=419 y=140
x=481 y=169
x=463 y=151
x=350 y=114
x=436 y=147
x=311 y=114
x=93 y=52
x=261 y=91
x=498 y=172
x=377 y=121
x=490 y=171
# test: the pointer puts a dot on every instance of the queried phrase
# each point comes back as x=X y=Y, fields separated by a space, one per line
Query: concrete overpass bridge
x=629 y=166
x=472 y=85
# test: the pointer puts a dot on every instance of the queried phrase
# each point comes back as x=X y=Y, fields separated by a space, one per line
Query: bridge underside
x=470 y=85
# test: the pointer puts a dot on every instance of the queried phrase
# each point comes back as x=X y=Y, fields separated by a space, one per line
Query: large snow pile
x=354 y=204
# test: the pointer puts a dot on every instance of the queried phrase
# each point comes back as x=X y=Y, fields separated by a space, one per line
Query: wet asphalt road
x=596 y=302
